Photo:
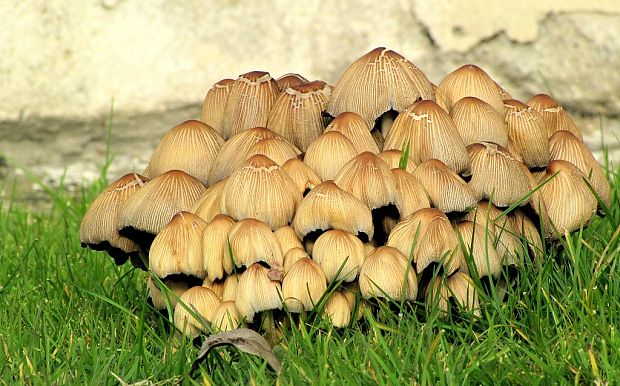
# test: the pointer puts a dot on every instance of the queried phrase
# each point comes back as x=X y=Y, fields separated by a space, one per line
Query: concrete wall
x=62 y=63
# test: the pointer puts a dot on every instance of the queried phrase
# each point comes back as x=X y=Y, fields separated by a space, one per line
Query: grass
x=70 y=316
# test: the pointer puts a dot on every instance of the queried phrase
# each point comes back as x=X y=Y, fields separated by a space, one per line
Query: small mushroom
x=338 y=310
x=215 y=257
x=303 y=286
x=161 y=300
x=446 y=190
x=411 y=193
x=252 y=241
x=469 y=81
x=339 y=254
x=214 y=104
x=527 y=129
x=287 y=237
x=196 y=300
x=226 y=317
x=289 y=80
x=292 y=255
x=354 y=127
x=553 y=115
x=328 y=154
x=477 y=121
x=304 y=177
x=478 y=249
x=277 y=149
x=386 y=273
x=208 y=204
x=256 y=292
x=393 y=157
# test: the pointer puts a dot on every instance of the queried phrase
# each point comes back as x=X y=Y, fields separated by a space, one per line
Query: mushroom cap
x=460 y=288
x=208 y=205
x=217 y=286
x=528 y=232
x=303 y=286
x=527 y=129
x=260 y=189
x=160 y=299
x=288 y=80
x=478 y=248
x=304 y=177
x=252 y=241
x=226 y=317
x=338 y=310
x=256 y=292
x=292 y=255
x=446 y=190
x=98 y=227
x=354 y=127
x=177 y=248
x=393 y=157
x=386 y=273
x=469 y=81
x=477 y=121
x=229 y=292
x=329 y=207
x=214 y=104
x=411 y=192
x=328 y=154
x=215 y=256
x=249 y=102
x=339 y=254
x=200 y=300
x=287 y=237
x=379 y=81
x=553 y=115
x=277 y=149
x=430 y=133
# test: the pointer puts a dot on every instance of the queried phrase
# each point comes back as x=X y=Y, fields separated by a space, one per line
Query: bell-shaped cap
x=460 y=288
x=160 y=299
x=177 y=249
x=393 y=158
x=379 y=81
x=229 y=291
x=150 y=208
x=252 y=241
x=469 y=81
x=329 y=207
x=214 y=104
x=356 y=130
x=430 y=133
x=446 y=190
x=196 y=300
x=478 y=249
x=217 y=286
x=278 y=149
x=260 y=189
x=256 y=292
x=303 y=285
x=226 y=317
x=249 y=102
x=411 y=193
x=292 y=255
x=98 y=227
x=340 y=255
x=527 y=129
x=386 y=273
x=553 y=115
x=302 y=175
x=428 y=234
x=289 y=80
x=528 y=232
x=287 y=237
x=477 y=121
x=328 y=154
x=297 y=113
x=215 y=256
x=208 y=205
x=338 y=310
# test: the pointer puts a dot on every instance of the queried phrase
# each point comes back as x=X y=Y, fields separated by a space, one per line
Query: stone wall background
x=64 y=63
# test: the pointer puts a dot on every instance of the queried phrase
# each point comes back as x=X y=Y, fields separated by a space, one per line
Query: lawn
x=71 y=316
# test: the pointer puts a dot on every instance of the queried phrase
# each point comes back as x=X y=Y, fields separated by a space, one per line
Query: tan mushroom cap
x=339 y=254
x=477 y=121
x=98 y=227
x=252 y=241
x=386 y=273
x=328 y=154
x=226 y=317
x=199 y=300
x=528 y=232
x=379 y=81
x=256 y=292
x=303 y=286
x=563 y=145
x=304 y=177
x=190 y=146
x=249 y=102
x=277 y=149
x=292 y=255
x=446 y=190
x=215 y=256
x=459 y=287
x=429 y=235
x=469 y=81
x=289 y=80
x=392 y=158
x=287 y=237
x=527 y=129
x=260 y=189
x=354 y=127
x=214 y=104
x=160 y=300
x=229 y=292
x=208 y=205
x=554 y=115
x=478 y=249
x=496 y=175
x=338 y=310
x=431 y=134
x=411 y=192
x=177 y=249
x=569 y=201
x=217 y=286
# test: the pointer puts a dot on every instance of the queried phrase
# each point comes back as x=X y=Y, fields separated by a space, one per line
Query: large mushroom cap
x=329 y=153
x=340 y=254
x=252 y=241
x=303 y=285
x=477 y=121
x=469 y=81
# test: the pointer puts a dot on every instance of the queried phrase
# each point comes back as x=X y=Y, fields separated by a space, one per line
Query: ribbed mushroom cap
x=527 y=129
x=329 y=207
x=496 y=175
x=354 y=127
x=338 y=310
x=486 y=214
x=386 y=273
x=528 y=232
x=287 y=237
x=150 y=208
x=190 y=146
x=215 y=257
x=297 y=113
x=339 y=254
x=478 y=249
x=249 y=102
x=477 y=121
x=446 y=190
x=199 y=300
x=229 y=291
x=277 y=149
x=98 y=227
x=430 y=234
x=208 y=205
x=458 y=287
x=536 y=202
x=430 y=133
x=569 y=201
x=379 y=81
x=177 y=249
x=303 y=285
x=292 y=255
x=302 y=175
x=160 y=299
x=217 y=286
x=214 y=104
x=554 y=116
x=288 y=80
x=378 y=137
x=411 y=193
x=234 y=152
x=505 y=94
x=328 y=154
x=260 y=189
x=392 y=158
x=226 y=317
x=563 y=145
x=469 y=81
x=256 y=292
x=252 y=241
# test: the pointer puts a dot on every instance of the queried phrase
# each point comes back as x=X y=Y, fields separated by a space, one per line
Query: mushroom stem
x=273 y=335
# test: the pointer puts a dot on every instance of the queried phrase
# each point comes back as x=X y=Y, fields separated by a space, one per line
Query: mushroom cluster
x=297 y=195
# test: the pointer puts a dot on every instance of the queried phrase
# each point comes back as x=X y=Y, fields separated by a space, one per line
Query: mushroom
x=339 y=254
x=160 y=299
x=277 y=149
x=226 y=317
x=386 y=273
x=553 y=115
x=251 y=241
x=303 y=286
x=458 y=288
x=356 y=130
x=217 y=286
x=478 y=249
x=215 y=257
x=256 y=292
x=411 y=193
x=289 y=80
x=527 y=129
x=229 y=292
x=208 y=204
x=394 y=157
x=338 y=310
x=304 y=177
x=292 y=255
x=477 y=121
x=328 y=154
x=196 y=301
x=287 y=237
x=214 y=104
x=469 y=81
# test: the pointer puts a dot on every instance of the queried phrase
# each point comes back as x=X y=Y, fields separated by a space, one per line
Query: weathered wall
x=62 y=63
